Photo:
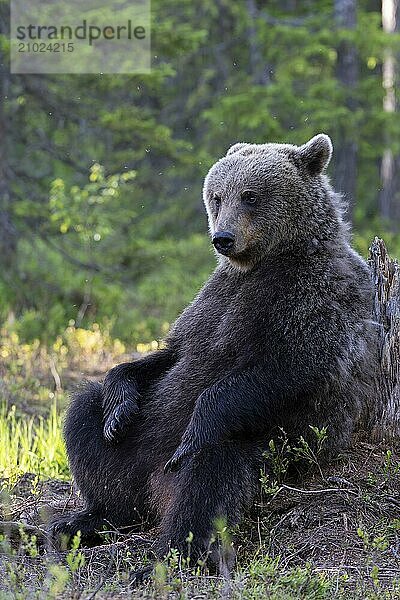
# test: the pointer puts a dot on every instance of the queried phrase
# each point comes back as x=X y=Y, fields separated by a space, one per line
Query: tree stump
x=384 y=417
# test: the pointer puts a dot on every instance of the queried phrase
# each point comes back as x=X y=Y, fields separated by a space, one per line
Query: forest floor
x=333 y=534
x=337 y=537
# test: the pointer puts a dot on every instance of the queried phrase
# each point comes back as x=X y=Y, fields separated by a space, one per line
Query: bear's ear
x=316 y=153
x=236 y=147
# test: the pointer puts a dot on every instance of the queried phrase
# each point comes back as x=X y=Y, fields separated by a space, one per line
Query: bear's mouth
x=225 y=252
x=245 y=259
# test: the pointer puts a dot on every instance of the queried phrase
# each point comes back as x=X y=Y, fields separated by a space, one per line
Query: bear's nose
x=223 y=241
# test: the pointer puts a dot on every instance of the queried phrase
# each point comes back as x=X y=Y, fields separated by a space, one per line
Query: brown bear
x=280 y=337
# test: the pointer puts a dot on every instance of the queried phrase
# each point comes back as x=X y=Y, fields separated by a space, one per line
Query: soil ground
x=334 y=534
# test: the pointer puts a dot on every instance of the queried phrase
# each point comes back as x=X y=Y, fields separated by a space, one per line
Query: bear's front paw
x=180 y=456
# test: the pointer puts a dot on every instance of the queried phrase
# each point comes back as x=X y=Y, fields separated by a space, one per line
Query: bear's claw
x=118 y=422
x=180 y=456
x=63 y=528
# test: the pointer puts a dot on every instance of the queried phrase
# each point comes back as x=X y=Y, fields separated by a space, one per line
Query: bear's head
x=264 y=197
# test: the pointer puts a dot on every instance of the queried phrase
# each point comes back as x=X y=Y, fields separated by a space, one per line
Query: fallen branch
x=14 y=527
x=322 y=491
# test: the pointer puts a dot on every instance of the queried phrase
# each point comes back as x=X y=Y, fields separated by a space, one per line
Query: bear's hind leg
x=219 y=483
x=85 y=448
x=106 y=475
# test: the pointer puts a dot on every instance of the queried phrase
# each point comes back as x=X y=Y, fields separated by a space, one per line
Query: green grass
x=301 y=547
x=31 y=444
x=267 y=563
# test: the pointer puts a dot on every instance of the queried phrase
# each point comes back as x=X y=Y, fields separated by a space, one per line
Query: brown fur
x=279 y=337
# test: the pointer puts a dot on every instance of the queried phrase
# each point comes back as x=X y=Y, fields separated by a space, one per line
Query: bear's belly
x=170 y=400
x=179 y=388
x=238 y=336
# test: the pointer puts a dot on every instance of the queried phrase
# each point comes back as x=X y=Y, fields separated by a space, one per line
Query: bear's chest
x=215 y=340
x=244 y=331
x=232 y=330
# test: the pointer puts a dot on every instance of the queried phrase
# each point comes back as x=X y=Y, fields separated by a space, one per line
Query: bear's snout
x=223 y=242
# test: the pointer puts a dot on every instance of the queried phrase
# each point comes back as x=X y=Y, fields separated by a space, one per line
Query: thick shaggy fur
x=279 y=337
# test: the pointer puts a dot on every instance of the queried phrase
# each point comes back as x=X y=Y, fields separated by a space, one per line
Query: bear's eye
x=249 y=197
x=217 y=201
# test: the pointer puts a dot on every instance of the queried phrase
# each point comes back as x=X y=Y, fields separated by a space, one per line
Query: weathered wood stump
x=384 y=417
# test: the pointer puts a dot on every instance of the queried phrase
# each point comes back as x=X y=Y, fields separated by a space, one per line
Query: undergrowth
x=31 y=444
x=33 y=375
x=35 y=379
x=335 y=534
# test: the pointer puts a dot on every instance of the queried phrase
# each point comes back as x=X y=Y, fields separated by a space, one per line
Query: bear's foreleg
x=234 y=404
x=249 y=402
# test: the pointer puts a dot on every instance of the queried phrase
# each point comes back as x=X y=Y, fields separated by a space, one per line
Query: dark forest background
x=101 y=217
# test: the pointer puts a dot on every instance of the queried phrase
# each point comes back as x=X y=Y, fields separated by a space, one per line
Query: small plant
x=223 y=537
x=75 y=557
x=305 y=452
x=57 y=580
x=379 y=542
x=277 y=459
x=390 y=467
x=160 y=578
x=167 y=576
x=280 y=454
x=28 y=543
x=394 y=525
x=364 y=536
x=189 y=541
x=375 y=575
x=267 y=579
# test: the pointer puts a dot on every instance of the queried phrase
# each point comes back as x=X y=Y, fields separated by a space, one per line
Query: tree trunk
x=347 y=75
x=384 y=416
x=259 y=70
x=389 y=166
x=8 y=238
